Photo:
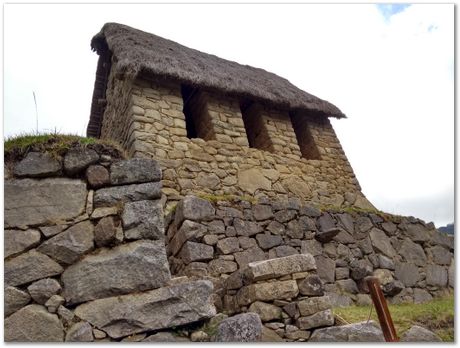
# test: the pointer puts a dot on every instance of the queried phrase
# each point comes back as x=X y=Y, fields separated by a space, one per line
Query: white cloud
x=393 y=78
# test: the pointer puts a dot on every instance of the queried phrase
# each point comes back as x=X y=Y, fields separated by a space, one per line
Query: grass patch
x=436 y=315
x=228 y=198
x=17 y=147
x=352 y=210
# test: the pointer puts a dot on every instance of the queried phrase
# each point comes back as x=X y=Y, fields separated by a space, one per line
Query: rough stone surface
x=37 y=165
x=325 y=267
x=164 y=336
x=421 y=296
x=33 y=323
x=31 y=202
x=219 y=266
x=324 y=318
x=228 y=245
x=419 y=334
x=188 y=231
x=246 y=228
x=111 y=196
x=268 y=241
x=195 y=209
x=134 y=171
x=274 y=268
x=439 y=255
x=418 y=233
x=262 y=212
x=143 y=220
x=192 y=251
x=77 y=160
x=97 y=176
x=243 y=258
x=325 y=236
x=412 y=252
x=360 y=269
x=253 y=180
x=311 y=286
x=137 y=266
x=245 y=327
x=43 y=289
x=265 y=311
x=105 y=231
x=314 y=305
x=451 y=274
x=54 y=302
x=357 y=332
x=382 y=243
x=436 y=275
x=407 y=273
x=385 y=262
x=18 y=241
x=28 y=267
x=151 y=310
x=14 y=299
x=267 y=292
x=68 y=246
x=80 y=332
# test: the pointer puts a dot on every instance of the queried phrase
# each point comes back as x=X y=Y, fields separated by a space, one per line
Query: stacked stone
x=85 y=254
x=412 y=260
x=154 y=125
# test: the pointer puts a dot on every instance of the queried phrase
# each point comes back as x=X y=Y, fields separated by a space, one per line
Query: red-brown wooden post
x=380 y=304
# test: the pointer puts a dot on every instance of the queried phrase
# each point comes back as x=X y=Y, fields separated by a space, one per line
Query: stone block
x=35 y=202
x=68 y=246
x=80 y=332
x=195 y=209
x=28 y=267
x=407 y=273
x=157 y=309
x=246 y=228
x=419 y=334
x=14 y=299
x=77 y=160
x=243 y=258
x=439 y=255
x=143 y=220
x=311 y=247
x=33 y=323
x=105 y=232
x=137 y=266
x=228 y=245
x=37 y=165
x=135 y=171
x=268 y=241
x=43 y=289
x=112 y=196
x=265 y=311
x=97 y=176
x=314 y=305
x=418 y=233
x=189 y=230
x=267 y=292
x=412 y=252
x=436 y=275
x=356 y=332
x=192 y=251
x=262 y=212
x=324 y=318
x=325 y=267
x=18 y=241
x=275 y=268
x=246 y=327
x=311 y=286
x=218 y=266
x=381 y=243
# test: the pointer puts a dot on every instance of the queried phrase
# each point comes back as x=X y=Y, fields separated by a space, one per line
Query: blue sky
x=388 y=10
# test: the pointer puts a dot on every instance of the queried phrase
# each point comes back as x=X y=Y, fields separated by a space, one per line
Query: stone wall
x=217 y=241
x=223 y=163
x=85 y=255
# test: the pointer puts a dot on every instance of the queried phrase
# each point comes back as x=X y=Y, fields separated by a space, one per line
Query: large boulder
x=37 y=165
x=357 y=332
x=137 y=266
x=68 y=246
x=18 y=241
x=436 y=275
x=245 y=327
x=413 y=252
x=419 y=334
x=252 y=180
x=134 y=171
x=151 y=310
x=28 y=267
x=310 y=306
x=407 y=273
x=32 y=202
x=33 y=324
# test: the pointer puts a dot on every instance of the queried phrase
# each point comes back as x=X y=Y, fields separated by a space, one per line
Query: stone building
x=215 y=126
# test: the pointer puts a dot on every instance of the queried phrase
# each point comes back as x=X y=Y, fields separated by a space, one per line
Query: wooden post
x=380 y=304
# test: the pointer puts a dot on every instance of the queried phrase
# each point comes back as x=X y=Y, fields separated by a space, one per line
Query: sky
x=388 y=67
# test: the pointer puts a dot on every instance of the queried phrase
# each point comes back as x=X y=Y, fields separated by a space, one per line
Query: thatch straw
x=139 y=52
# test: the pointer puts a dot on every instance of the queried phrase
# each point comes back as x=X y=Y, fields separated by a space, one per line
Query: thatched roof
x=138 y=52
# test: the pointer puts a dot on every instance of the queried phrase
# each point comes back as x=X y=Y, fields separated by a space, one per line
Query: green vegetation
x=436 y=315
x=15 y=148
x=355 y=211
x=227 y=198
